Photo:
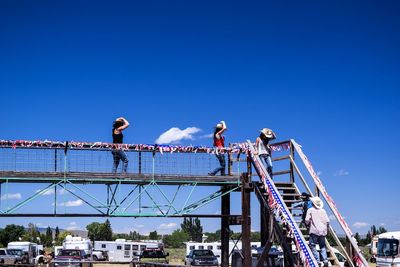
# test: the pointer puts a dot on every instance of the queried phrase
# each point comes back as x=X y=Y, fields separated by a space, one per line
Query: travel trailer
x=388 y=251
x=122 y=250
x=77 y=242
x=31 y=250
x=373 y=248
x=215 y=247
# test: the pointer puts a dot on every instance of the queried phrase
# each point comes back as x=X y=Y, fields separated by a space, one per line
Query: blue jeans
x=268 y=163
x=117 y=156
x=320 y=240
x=221 y=168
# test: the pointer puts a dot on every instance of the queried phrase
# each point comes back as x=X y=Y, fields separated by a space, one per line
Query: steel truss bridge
x=75 y=180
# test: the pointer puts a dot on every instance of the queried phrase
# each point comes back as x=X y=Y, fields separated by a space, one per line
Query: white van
x=388 y=252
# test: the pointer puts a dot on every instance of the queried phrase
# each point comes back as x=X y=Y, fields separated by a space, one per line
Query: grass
x=176 y=255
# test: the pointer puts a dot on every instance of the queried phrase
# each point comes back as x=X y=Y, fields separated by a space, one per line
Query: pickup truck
x=7 y=257
x=70 y=257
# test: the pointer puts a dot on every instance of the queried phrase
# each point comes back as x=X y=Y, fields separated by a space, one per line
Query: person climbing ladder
x=263 y=149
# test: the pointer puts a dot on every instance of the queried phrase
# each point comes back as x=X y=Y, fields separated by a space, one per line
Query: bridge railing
x=68 y=157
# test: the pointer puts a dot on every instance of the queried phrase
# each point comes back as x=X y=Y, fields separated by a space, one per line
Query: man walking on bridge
x=318 y=221
x=119 y=125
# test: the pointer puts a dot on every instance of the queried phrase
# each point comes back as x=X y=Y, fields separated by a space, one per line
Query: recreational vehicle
x=388 y=253
x=215 y=247
x=77 y=242
x=29 y=250
x=122 y=250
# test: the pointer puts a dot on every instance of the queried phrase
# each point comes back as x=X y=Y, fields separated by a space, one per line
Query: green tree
x=106 y=232
x=153 y=235
x=93 y=231
x=176 y=239
x=48 y=238
x=193 y=228
x=61 y=237
x=100 y=231
x=11 y=233
x=56 y=234
x=381 y=230
x=32 y=234
x=357 y=237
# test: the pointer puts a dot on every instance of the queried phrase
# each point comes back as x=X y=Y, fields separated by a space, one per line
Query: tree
x=176 y=239
x=11 y=233
x=382 y=230
x=61 y=237
x=32 y=234
x=106 y=232
x=357 y=237
x=153 y=235
x=93 y=231
x=100 y=231
x=48 y=238
x=56 y=234
x=193 y=228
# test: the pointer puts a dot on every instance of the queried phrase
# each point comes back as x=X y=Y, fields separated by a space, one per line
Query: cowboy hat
x=317 y=202
x=268 y=133
x=305 y=195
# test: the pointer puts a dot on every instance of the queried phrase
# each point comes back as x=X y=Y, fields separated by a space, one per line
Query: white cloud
x=71 y=203
x=165 y=226
x=72 y=226
x=207 y=136
x=50 y=191
x=359 y=225
x=139 y=225
x=11 y=196
x=175 y=135
x=341 y=172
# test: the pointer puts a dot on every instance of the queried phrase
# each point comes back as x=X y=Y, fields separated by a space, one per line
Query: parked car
x=99 y=255
x=153 y=255
x=201 y=257
x=7 y=257
x=70 y=257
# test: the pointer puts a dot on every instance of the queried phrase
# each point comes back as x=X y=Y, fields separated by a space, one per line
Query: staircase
x=281 y=198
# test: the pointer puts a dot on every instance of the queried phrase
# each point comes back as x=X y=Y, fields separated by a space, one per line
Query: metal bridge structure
x=75 y=179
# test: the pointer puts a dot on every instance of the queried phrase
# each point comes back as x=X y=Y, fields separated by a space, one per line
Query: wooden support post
x=246 y=220
x=225 y=211
x=291 y=165
x=140 y=162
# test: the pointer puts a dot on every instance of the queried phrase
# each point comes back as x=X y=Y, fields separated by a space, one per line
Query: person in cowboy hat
x=318 y=221
x=263 y=149
x=119 y=125
x=219 y=142
x=305 y=203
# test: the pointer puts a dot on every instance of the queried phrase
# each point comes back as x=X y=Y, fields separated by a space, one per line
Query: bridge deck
x=112 y=178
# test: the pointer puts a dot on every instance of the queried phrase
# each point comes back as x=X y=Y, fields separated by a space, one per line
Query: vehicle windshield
x=16 y=252
x=200 y=253
x=70 y=253
x=388 y=247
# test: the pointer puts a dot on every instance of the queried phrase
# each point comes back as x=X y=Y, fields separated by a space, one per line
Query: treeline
x=13 y=232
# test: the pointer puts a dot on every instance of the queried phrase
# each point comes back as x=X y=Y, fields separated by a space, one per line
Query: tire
x=95 y=258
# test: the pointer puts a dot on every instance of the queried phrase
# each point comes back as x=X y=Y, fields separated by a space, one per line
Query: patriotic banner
x=358 y=258
x=280 y=210
x=235 y=148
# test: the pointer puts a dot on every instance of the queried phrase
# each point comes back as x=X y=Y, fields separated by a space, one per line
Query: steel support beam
x=246 y=220
x=225 y=211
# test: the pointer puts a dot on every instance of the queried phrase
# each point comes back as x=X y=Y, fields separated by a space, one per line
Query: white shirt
x=318 y=221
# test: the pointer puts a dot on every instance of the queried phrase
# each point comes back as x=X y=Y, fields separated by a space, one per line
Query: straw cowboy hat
x=268 y=133
x=317 y=202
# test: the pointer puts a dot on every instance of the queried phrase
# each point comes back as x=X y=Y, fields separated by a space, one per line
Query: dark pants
x=221 y=168
x=117 y=156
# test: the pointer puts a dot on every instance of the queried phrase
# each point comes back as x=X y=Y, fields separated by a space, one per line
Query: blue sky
x=323 y=73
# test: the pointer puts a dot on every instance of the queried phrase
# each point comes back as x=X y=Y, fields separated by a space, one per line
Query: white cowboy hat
x=268 y=133
x=317 y=202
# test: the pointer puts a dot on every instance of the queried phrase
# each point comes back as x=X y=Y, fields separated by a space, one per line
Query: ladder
x=282 y=196
x=276 y=203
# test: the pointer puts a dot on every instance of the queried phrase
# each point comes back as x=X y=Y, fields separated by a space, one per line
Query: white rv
x=388 y=251
x=122 y=250
x=28 y=248
x=216 y=247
